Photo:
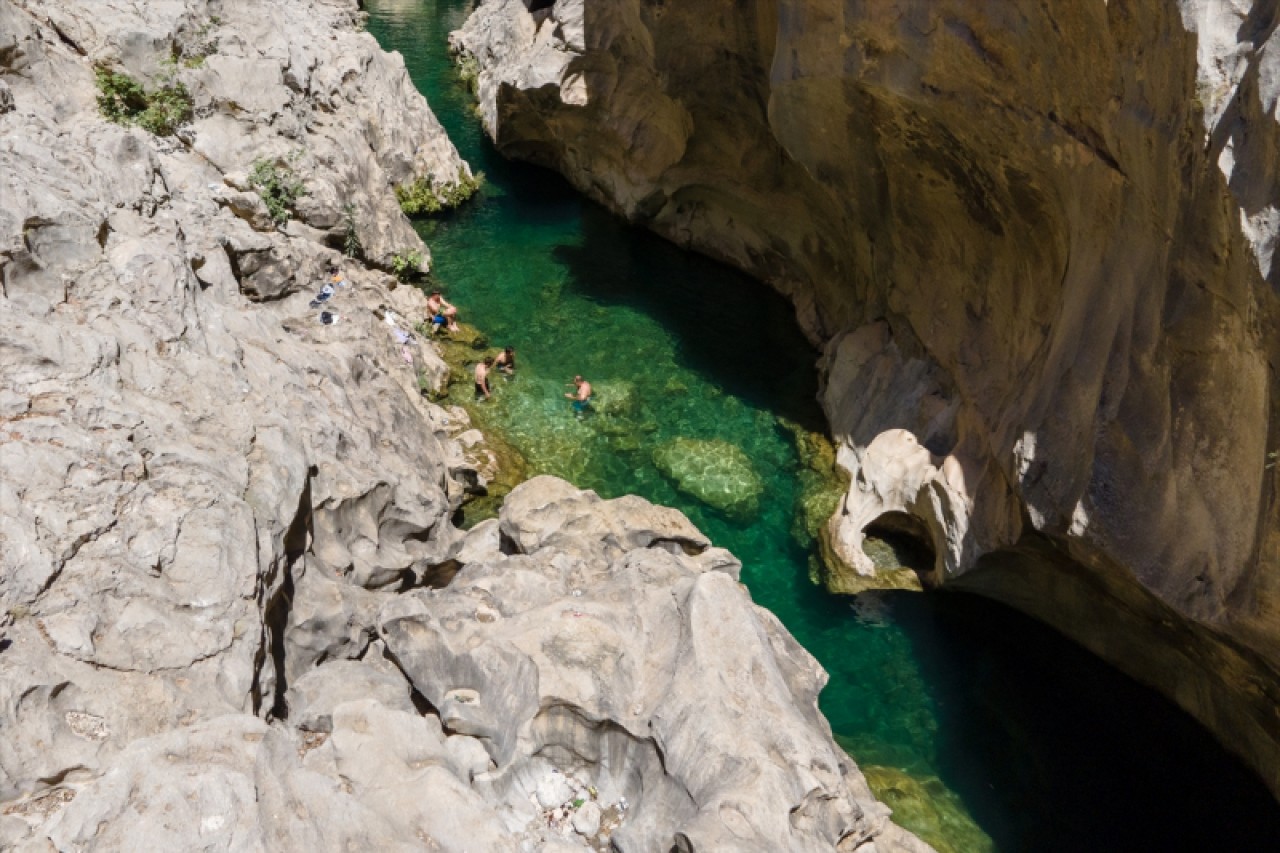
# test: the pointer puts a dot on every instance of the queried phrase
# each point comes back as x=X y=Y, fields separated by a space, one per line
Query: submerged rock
x=931 y=807
x=715 y=472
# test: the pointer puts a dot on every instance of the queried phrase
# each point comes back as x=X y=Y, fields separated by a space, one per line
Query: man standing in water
x=482 y=378
x=582 y=396
x=506 y=361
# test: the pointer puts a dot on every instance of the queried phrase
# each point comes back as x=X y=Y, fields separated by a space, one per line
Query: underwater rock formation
x=715 y=472
x=1038 y=237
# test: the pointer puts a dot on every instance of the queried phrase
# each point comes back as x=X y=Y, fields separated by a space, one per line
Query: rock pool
x=983 y=729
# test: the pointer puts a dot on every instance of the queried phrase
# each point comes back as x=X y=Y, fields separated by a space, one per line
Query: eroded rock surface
x=1036 y=237
x=236 y=614
x=593 y=678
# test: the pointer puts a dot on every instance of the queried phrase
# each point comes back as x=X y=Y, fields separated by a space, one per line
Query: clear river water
x=983 y=729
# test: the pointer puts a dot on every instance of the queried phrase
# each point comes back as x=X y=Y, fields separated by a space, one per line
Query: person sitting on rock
x=506 y=361
x=582 y=396
x=441 y=312
x=482 y=378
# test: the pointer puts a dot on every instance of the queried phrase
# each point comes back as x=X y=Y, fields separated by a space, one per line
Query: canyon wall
x=1035 y=241
x=235 y=612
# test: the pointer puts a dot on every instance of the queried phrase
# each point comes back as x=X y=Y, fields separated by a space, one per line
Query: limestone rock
x=579 y=660
x=715 y=472
x=1039 y=237
x=199 y=490
x=586 y=820
x=313 y=697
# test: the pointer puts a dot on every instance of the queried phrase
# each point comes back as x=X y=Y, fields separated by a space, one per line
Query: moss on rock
x=927 y=807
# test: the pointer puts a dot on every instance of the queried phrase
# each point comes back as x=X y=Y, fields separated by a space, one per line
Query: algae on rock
x=929 y=809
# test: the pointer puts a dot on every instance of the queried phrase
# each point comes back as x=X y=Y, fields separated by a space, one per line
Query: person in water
x=441 y=312
x=506 y=361
x=482 y=378
x=582 y=396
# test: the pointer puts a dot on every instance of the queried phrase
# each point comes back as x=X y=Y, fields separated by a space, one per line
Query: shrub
x=278 y=185
x=423 y=197
x=469 y=72
x=123 y=100
x=351 y=245
x=406 y=265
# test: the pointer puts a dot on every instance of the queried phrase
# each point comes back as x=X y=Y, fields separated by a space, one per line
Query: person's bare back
x=482 y=378
x=581 y=396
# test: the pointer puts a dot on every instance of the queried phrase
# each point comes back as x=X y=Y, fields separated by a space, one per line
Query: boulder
x=578 y=659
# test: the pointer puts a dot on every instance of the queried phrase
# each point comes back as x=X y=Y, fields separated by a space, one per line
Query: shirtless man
x=482 y=378
x=582 y=396
x=506 y=361
x=440 y=311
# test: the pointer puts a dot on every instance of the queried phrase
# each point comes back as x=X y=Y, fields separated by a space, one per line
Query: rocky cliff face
x=235 y=613
x=1036 y=243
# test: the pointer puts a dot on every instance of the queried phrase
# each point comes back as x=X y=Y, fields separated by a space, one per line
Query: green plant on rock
x=351 y=245
x=423 y=196
x=278 y=185
x=124 y=100
x=406 y=265
x=469 y=72
x=200 y=45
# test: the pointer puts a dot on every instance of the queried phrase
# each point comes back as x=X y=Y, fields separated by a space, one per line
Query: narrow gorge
x=1035 y=243
x=272 y=576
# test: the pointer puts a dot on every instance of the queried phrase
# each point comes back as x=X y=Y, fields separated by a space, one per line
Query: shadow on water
x=729 y=327
x=1052 y=750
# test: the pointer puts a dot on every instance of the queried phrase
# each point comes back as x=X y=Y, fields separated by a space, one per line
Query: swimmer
x=582 y=396
x=506 y=361
x=482 y=378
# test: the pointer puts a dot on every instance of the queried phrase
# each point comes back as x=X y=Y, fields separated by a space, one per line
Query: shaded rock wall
x=1035 y=240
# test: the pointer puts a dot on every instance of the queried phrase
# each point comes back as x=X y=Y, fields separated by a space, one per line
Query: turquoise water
x=948 y=694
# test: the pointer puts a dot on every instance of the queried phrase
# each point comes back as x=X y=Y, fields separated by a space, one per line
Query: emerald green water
x=945 y=700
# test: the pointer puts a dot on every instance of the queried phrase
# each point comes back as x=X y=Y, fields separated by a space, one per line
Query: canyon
x=1035 y=242
x=237 y=612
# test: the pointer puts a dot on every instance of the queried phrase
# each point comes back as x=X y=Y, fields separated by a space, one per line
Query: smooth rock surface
x=1037 y=236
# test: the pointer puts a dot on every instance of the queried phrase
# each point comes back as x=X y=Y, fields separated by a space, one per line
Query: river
x=983 y=729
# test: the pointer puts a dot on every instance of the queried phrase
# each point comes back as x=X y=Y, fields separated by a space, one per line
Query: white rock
x=553 y=791
x=586 y=820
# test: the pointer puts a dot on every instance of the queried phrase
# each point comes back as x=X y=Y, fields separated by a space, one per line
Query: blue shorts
x=581 y=405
